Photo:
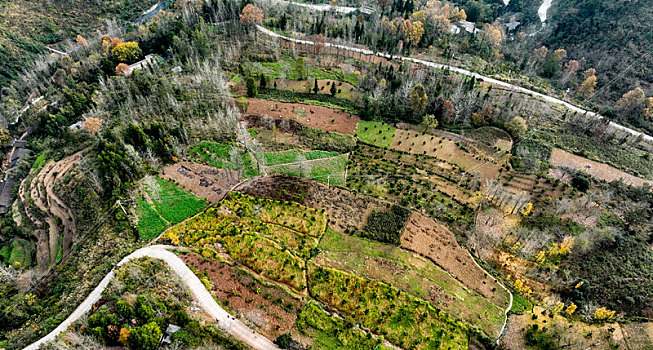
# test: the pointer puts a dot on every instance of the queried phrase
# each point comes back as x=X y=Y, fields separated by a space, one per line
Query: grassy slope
x=352 y=254
x=170 y=205
x=375 y=133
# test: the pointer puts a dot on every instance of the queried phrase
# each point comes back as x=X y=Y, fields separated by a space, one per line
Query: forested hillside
x=612 y=36
x=28 y=25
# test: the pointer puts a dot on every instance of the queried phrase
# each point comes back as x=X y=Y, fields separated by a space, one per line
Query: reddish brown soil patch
x=314 y=116
x=436 y=242
x=204 y=181
x=272 y=310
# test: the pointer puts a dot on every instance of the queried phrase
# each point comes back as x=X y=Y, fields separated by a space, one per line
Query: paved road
x=233 y=326
x=543 y=97
x=320 y=7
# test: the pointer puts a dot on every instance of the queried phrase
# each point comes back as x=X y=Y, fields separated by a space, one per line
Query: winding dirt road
x=543 y=97
x=231 y=325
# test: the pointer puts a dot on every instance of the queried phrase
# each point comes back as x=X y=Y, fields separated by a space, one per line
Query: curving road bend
x=544 y=97
x=231 y=325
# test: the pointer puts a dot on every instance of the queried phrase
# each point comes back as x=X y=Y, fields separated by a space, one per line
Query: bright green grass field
x=172 y=205
x=175 y=204
x=328 y=171
x=375 y=133
x=150 y=224
x=18 y=250
x=218 y=155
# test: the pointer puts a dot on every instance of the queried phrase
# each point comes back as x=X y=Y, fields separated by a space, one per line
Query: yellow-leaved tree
x=587 y=87
x=124 y=336
x=4 y=137
x=128 y=52
x=571 y=309
x=603 y=314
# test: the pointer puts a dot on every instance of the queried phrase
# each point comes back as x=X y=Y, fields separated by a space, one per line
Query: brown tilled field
x=272 y=310
x=204 y=181
x=318 y=117
x=417 y=143
x=598 y=170
x=344 y=209
x=436 y=242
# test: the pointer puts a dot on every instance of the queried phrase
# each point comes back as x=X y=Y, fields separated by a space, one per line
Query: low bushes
x=386 y=227
x=404 y=320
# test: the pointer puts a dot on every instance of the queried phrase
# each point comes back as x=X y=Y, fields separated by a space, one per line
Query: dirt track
x=234 y=327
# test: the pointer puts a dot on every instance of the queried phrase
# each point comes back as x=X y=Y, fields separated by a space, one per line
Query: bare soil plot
x=272 y=310
x=436 y=242
x=204 y=181
x=541 y=190
x=493 y=137
x=318 y=117
x=598 y=170
x=414 y=142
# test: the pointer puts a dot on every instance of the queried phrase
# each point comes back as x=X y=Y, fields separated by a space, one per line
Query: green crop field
x=270 y=237
x=403 y=319
x=375 y=133
x=331 y=333
x=411 y=273
x=173 y=203
x=169 y=205
x=150 y=223
x=329 y=171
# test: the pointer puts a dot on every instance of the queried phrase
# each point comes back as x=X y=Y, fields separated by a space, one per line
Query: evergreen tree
x=252 y=91
x=333 y=89
x=316 y=88
x=263 y=83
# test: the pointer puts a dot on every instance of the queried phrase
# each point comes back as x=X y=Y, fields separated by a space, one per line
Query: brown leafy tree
x=122 y=69
x=252 y=16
